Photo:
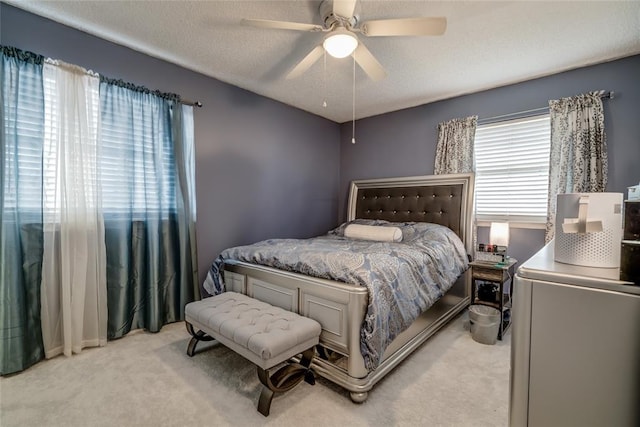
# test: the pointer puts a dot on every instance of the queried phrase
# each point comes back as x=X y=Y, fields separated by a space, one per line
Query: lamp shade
x=340 y=43
x=499 y=234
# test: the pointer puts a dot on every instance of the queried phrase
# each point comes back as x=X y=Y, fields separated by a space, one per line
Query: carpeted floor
x=147 y=380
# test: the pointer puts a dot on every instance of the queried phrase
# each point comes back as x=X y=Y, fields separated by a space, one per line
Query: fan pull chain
x=353 y=104
x=324 y=77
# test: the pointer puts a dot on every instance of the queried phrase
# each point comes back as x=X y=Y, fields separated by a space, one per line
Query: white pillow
x=373 y=232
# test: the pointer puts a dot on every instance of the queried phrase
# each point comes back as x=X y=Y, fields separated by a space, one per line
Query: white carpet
x=148 y=380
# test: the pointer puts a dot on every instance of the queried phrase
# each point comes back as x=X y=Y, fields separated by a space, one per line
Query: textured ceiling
x=487 y=44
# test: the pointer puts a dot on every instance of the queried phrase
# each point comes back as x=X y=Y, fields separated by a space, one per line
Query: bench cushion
x=260 y=332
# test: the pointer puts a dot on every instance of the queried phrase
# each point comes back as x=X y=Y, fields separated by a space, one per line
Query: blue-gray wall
x=263 y=169
x=403 y=143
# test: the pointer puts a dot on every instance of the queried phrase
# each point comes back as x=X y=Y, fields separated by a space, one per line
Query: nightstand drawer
x=488 y=274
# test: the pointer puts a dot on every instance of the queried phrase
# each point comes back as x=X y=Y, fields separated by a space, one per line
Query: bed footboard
x=340 y=308
x=420 y=331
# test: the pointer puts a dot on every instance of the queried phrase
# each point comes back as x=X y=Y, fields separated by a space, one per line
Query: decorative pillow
x=373 y=232
x=339 y=231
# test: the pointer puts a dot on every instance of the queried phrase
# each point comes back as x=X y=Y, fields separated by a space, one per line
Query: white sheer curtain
x=74 y=304
x=578 y=161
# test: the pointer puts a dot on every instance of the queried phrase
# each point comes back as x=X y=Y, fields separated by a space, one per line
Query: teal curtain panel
x=21 y=239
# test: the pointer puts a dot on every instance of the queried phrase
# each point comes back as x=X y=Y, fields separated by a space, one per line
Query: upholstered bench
x=266 y=335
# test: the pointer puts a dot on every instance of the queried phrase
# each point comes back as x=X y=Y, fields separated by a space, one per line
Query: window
x=135 y=164
x=512 y=170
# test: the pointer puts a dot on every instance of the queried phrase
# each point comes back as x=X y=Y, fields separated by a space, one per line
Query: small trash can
x=485 y=323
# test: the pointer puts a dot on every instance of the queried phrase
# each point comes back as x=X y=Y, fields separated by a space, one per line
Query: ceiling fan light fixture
x=340 y=43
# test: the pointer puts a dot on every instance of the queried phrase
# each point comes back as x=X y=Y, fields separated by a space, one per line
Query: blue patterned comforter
x=403 y=279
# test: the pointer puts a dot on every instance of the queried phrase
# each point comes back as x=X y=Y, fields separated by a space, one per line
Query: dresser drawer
x=631 y=220
x=630 y=262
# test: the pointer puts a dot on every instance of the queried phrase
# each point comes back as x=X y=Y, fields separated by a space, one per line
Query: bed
x=341 y=308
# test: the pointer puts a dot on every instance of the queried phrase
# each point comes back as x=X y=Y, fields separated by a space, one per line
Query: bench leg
x=196 y=338
x=264 y=404
x=284 y=379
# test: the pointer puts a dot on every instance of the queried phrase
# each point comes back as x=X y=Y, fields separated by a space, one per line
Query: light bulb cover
x=499 y=234
x=340 y=43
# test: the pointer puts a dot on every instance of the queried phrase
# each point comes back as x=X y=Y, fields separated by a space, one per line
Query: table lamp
x=499 y=235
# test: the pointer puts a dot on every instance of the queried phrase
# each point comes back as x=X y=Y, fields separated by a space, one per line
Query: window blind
x=23 y=119
x=512 y=169
x=137 y=164
x=59 y=133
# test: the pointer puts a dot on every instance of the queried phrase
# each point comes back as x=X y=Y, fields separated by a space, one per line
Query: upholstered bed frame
x=340 y=307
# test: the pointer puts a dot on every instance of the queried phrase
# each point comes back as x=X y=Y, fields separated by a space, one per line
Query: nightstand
x=492 y=285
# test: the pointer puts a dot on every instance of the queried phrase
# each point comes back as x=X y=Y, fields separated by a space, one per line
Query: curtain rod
x=192 y=103
x=519 y=114
x=39 y=59
x=144 y=89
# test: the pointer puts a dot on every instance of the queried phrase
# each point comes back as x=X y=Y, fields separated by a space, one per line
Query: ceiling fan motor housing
x=330 y=20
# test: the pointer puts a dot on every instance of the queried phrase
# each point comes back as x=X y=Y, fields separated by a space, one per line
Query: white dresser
x=575 y=352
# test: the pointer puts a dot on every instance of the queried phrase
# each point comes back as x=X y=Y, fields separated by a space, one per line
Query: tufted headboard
x=440 y=199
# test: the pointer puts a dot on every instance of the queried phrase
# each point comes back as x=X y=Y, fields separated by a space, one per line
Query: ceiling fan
x=342 y=25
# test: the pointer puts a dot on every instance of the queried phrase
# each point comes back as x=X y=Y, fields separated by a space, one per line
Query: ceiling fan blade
x=405 y=27
x=306 y=62
x=369 y=63
x=281 y=25
x=344 y=8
